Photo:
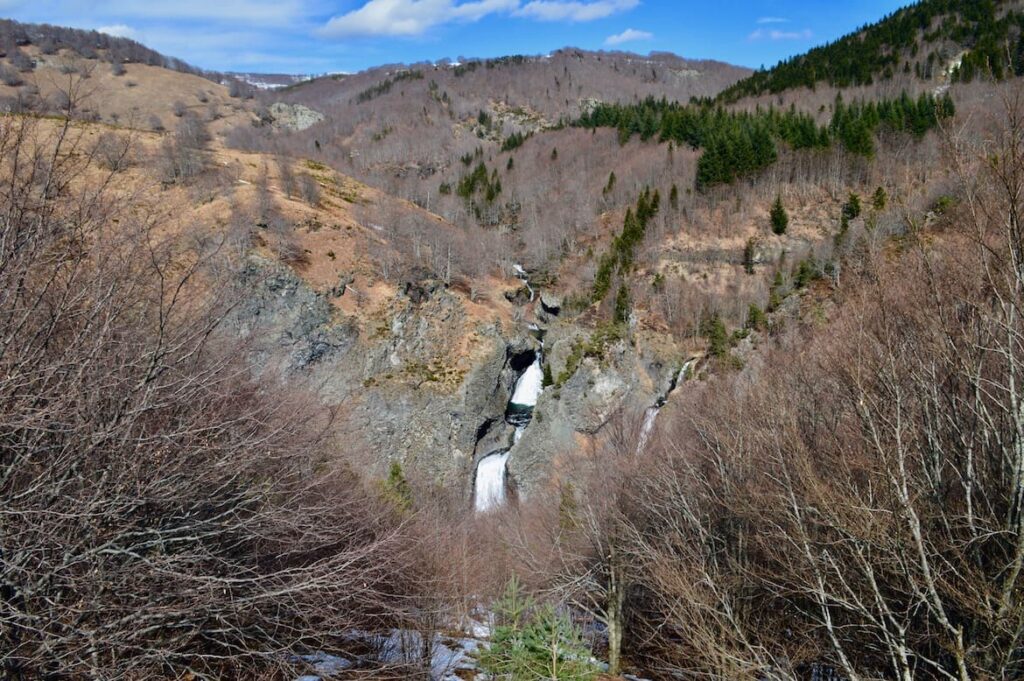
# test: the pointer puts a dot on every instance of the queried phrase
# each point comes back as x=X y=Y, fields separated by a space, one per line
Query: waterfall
x=492 y=470
x=530 y=385
x=522 y=276
x=651 y=415
x=490 y=481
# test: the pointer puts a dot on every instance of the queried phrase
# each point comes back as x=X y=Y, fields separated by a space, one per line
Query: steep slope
x=936 y=41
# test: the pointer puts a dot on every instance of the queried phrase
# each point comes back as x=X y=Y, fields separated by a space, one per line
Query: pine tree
x=852 y=208
x=749 y=255
x=549 y=380
x=779 y=216
x=713 y=328
x=880 y=199
x=533 y=642
x=756 y=318
x=673 y=197
x=610 y=185
x=622 y=305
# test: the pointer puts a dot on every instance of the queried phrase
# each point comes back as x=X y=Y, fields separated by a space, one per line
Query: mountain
x=930 y=40
x=591 y=355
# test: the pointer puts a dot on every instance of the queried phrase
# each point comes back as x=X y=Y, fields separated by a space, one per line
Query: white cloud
x=119 y=31
x=410 y=17
x=629 y=35
x=574 y=10
x=236 y=12
x=772 y=20
x=416 y=17
x=765 y=34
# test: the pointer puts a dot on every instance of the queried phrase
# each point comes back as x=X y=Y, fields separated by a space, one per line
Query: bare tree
x=162 y=511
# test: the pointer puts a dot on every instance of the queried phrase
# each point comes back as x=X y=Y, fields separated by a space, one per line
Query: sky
x=327 y=36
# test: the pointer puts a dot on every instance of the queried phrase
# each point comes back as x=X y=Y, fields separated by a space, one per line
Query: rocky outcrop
x=626 y=379
x=293 y=116
x=401 y=393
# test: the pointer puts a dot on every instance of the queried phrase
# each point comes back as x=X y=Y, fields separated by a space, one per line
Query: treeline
x=384 y=87
x=738 y=143
x=878 y=51
x=854 y=125
x=471 y=66
x=88 y=45
x=623 y=249
x=479 y=180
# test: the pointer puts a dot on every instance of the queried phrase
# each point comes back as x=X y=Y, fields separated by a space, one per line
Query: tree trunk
x=616 y=598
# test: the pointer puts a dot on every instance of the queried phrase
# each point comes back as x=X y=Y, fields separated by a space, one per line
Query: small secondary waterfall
x=492 y=470
x=522 y=276
x=651 y=414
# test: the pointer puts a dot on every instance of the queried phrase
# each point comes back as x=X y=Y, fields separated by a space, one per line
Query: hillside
x=936 y=41
x=598 y=364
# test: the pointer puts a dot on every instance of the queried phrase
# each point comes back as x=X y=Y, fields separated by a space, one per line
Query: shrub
x=112 y=151
x=10 y=77
x=309 y=189
x=534 y=642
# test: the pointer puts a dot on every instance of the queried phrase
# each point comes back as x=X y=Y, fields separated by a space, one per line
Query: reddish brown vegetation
x=163 y=511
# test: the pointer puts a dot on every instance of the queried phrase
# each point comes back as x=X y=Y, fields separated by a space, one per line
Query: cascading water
x=522 y=276
x=651 y=415
x=489 y=490
x=492 y=470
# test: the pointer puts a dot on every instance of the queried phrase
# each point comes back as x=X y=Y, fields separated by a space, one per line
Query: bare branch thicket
x=858 y=505
x=163 y=514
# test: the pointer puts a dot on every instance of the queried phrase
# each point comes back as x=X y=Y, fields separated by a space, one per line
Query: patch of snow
x=325 y=665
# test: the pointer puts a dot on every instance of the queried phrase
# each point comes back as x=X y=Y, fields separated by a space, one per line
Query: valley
x=580 y=365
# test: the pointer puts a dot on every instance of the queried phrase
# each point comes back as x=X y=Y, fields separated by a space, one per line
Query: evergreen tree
x=622 y=305
x=713 y=328
x=531 y=642
x=749 y=255
x=852 y=208
x=779 y=216
x=880 y=199
x=673 y=197
x=756 y=318
x=610 y=185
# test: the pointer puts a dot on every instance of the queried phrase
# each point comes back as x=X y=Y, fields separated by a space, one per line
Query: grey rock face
x=294 y=116
x=401 y=397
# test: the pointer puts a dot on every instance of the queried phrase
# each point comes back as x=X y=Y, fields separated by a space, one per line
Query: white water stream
x=492 y=470
x=530 y=385
x=489 y=490
x=651 y=415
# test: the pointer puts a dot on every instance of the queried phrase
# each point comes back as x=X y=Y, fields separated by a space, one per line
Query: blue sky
x=319 y=36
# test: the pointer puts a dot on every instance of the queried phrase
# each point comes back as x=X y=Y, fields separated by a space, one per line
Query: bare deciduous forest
x=483 y=370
